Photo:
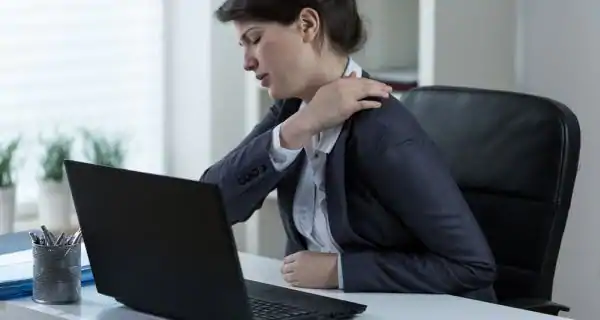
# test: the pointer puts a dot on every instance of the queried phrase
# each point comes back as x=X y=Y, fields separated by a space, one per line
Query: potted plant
x=8 y=194
x=54 y=203
x=101 y=150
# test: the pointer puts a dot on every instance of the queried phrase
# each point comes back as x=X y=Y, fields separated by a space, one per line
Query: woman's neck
x=328 y=70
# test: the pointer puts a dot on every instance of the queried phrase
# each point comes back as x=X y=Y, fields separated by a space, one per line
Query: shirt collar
x=326 y=140
x=353 y=66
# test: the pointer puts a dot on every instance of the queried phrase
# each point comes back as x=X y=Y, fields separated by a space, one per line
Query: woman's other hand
x=333 y=104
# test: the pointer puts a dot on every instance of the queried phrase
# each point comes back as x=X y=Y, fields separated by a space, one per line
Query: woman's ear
x=309 y=24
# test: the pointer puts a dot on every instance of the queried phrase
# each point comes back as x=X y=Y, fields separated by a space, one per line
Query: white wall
x=227 y=77
x=205 y=87
x=559 y=58
x=188 y=88
x=473 y=43
x=387 y=46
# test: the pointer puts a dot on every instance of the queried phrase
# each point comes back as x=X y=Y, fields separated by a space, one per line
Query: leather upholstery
x=515 y=156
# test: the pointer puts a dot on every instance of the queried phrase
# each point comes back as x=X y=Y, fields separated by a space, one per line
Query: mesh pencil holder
x=56 y=274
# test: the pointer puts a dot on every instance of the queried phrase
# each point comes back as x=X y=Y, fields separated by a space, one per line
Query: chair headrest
x=505 y=142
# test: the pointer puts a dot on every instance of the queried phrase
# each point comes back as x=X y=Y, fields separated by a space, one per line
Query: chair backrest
x=515 y=156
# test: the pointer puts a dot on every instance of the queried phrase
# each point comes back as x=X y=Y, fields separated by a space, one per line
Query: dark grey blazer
x=394 y=208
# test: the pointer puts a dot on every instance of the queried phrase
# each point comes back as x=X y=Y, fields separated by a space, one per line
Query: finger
x=374 y=90
x=370 y=83
x=367 y=104
x=367 y=82
x=289 y=259
x=290 y=278
x=366 y=87
x=287 y=268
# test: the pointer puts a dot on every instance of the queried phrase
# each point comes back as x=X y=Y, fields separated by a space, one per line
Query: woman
x=365 y=198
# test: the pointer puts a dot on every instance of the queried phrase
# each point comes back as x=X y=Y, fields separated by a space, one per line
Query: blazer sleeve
x=409 y=178
x=246 y=174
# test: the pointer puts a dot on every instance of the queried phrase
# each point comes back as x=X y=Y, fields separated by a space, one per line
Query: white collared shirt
x=310 y=201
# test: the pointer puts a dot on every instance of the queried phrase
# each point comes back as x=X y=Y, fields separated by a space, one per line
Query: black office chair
x=515 y=156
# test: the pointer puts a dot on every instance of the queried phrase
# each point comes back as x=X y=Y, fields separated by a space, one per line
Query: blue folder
x=24 y=288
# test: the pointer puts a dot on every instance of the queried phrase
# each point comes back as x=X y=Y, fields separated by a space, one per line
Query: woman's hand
x=309 y=269
x=333 y=104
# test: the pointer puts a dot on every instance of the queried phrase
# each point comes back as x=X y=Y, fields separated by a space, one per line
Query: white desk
x=380 y=306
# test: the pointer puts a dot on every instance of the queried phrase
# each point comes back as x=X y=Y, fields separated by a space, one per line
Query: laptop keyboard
x=268 y=310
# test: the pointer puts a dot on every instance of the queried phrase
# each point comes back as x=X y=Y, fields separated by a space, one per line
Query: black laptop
x=163 y=246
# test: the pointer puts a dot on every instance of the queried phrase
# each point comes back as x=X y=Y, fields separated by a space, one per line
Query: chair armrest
x=537 y=305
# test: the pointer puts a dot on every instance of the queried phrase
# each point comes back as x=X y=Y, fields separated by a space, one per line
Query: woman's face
x=281 y=57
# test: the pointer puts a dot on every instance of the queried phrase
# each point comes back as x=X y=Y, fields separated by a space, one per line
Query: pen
x=60 y=239
x=48 y=236
x=34 y=238
x=75 y=237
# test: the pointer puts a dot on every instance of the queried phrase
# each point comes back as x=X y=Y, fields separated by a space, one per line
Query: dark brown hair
x=340 y=19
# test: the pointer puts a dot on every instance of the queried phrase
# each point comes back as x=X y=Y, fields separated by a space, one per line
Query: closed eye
x=250 y=41
x=251 y=36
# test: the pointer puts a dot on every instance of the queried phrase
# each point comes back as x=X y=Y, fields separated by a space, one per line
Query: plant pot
x=8 y=199
x=54 y=206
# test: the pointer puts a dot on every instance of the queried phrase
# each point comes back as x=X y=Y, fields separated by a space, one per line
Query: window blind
x=67 y=65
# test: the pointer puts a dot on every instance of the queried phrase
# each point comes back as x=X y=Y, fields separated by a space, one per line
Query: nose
x=250 y=63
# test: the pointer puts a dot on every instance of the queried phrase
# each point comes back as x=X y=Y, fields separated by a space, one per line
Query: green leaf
x=7 y=165
x=101 y=150
x=57 y=150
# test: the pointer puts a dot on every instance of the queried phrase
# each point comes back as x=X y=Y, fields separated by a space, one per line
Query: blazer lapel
x=335 y=182
x=335 y=186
